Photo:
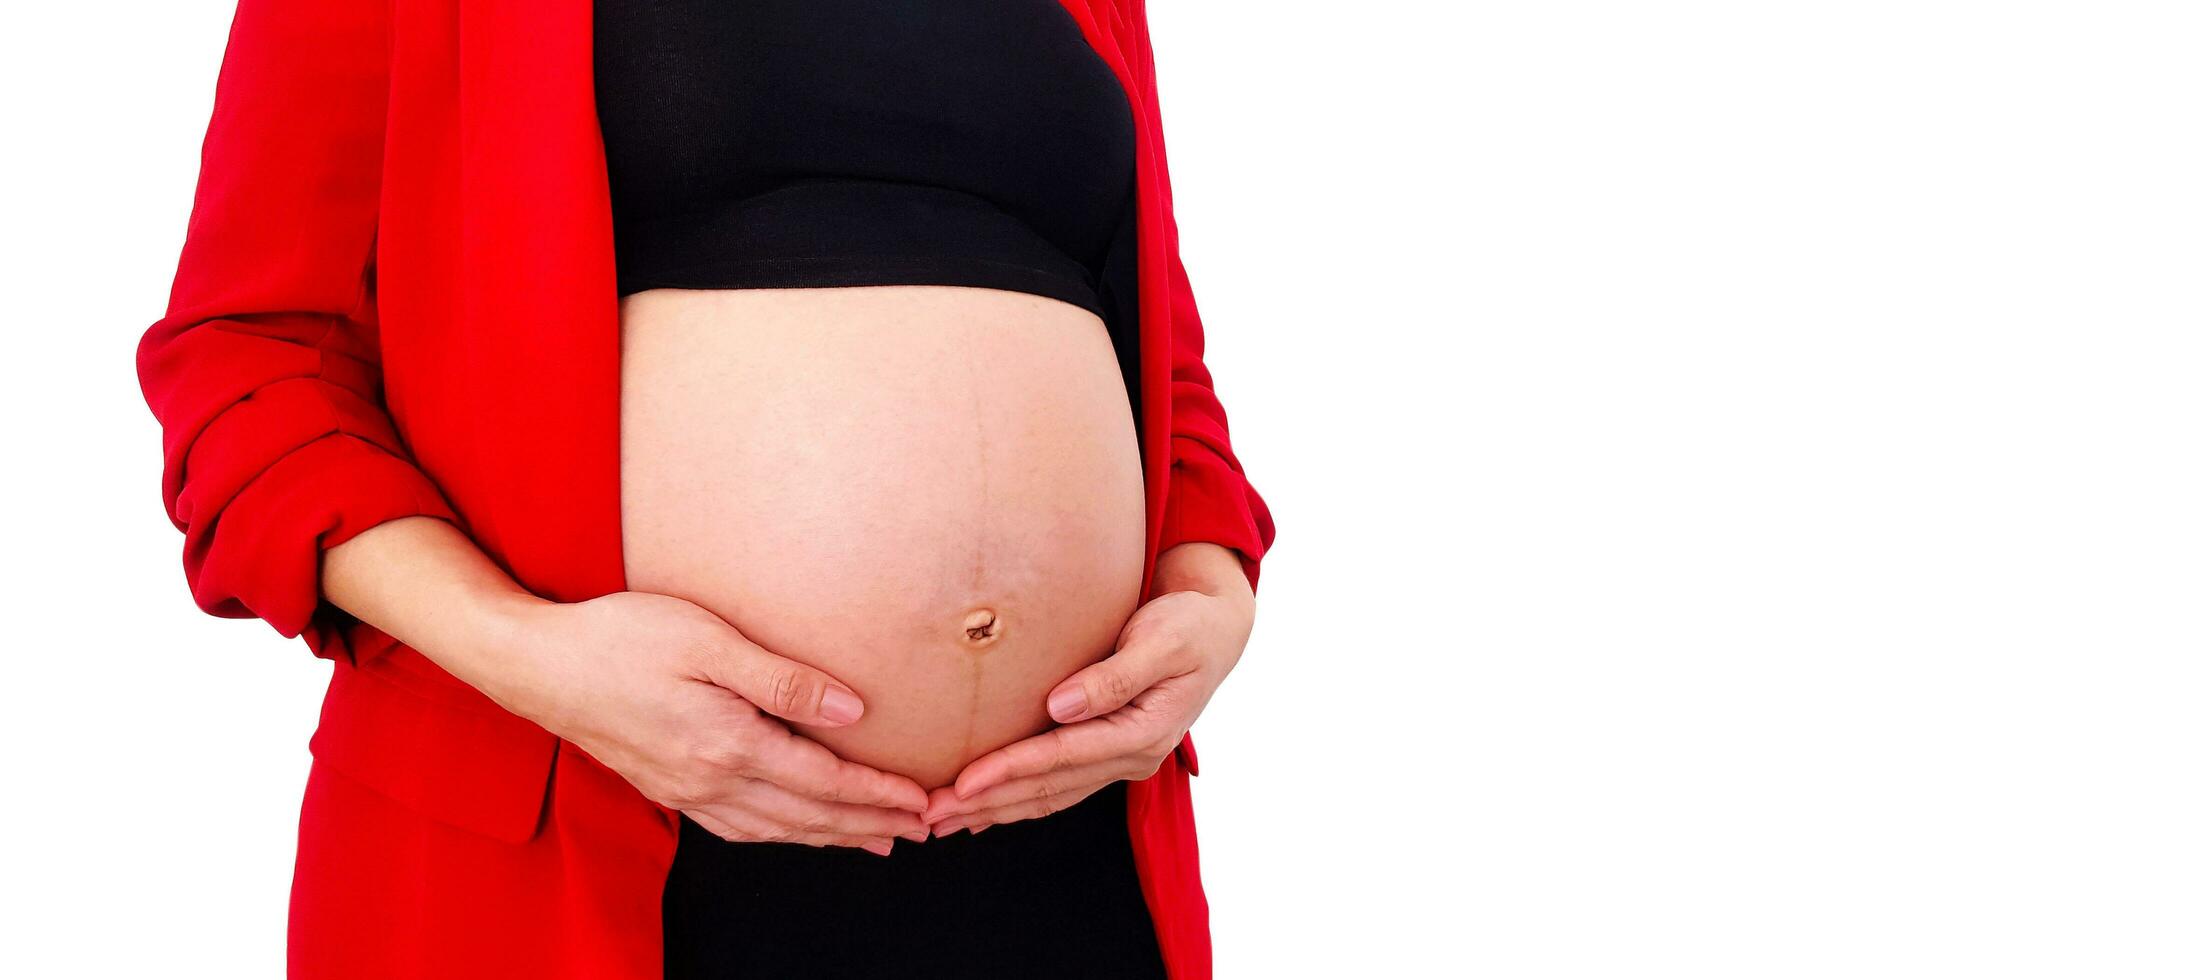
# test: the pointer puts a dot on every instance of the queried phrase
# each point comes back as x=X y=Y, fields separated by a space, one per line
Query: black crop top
x=760 y=143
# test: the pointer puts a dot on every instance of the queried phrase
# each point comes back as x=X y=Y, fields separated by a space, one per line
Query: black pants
x=1055 y=897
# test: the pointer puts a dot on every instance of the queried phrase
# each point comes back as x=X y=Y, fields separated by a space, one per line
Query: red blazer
x=396 y=297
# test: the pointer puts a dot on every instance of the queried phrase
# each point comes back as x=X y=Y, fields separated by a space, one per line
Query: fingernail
x=880 y=847
x=1068 y=704
x=945 y=829
x=916 y=836
x=980 y=828
x=841 y=707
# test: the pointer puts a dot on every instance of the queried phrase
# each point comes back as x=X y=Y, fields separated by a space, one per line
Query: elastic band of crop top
x=838 y=232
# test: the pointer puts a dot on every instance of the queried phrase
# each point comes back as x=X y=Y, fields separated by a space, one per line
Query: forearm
x=424 y=582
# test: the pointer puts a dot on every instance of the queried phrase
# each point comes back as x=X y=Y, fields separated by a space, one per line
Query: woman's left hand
x=1120 y=717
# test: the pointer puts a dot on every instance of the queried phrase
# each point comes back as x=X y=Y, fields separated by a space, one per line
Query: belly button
x=982 y=627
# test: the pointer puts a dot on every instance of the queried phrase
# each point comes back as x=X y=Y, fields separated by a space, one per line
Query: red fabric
x=396 y=298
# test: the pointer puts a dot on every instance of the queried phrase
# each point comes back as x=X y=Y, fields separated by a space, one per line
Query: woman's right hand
x=684 y=707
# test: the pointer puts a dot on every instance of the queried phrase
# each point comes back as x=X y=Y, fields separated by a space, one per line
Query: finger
x=1013 y=812
x=946 y=805
x=780 y=686
x=807 y=768
x=810 y=815
x=740 y=825
x=1120 y=733
x=871 y=845
x=1108 y=684
x=713 y=824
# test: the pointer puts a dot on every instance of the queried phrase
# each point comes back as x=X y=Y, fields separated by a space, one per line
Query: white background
x=1738 y=468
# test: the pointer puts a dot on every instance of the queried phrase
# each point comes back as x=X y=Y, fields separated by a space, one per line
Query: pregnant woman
x=735 y=455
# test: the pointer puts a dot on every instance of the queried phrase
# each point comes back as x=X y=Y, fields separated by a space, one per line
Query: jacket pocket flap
x=481 y=769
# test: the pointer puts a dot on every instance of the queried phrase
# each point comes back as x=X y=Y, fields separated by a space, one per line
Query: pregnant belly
x=933 y=493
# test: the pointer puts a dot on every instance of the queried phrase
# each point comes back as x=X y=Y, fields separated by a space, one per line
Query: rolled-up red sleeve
x=264 y=373
x=1209 y=496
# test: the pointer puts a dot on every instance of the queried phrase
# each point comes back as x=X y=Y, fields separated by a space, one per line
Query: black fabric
x=1054 y=897
x=861 y=142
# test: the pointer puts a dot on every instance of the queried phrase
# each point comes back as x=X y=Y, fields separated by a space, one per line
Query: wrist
x=488 y=641
x=1202 y=566
x=495 y=619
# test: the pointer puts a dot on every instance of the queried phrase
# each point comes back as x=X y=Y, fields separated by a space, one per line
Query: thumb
x=1108 y=684
x=783 y=687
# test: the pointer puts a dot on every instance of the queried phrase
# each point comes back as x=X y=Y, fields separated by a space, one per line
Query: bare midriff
x=933 y=493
